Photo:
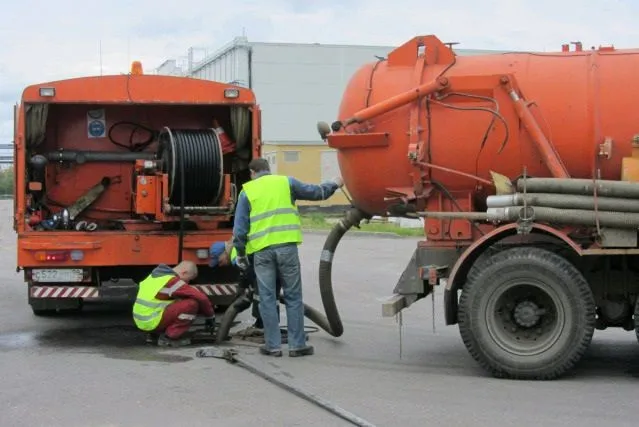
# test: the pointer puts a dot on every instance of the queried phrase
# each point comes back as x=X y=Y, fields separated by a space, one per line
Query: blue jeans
x=282 y=260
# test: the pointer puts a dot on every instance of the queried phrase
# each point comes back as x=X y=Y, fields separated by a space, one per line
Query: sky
x=44 y=41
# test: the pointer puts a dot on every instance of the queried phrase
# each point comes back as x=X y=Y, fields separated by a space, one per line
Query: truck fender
x=459 y=272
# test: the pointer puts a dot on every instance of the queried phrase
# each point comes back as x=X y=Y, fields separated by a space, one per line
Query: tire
x=507 y=342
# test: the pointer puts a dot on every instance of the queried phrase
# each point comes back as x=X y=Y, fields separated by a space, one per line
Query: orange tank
x=405 y=120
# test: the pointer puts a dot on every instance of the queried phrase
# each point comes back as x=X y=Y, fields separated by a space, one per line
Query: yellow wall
x=307 y=168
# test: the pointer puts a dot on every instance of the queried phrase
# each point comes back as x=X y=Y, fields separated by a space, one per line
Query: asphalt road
x=94 y=370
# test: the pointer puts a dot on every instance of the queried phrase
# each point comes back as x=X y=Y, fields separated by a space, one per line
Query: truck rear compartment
x=126 y=131
x=102 y=195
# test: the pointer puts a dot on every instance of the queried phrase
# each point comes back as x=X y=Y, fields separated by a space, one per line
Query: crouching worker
x=166 y=305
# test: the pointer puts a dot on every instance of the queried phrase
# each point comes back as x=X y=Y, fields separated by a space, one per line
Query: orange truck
x=117 y=174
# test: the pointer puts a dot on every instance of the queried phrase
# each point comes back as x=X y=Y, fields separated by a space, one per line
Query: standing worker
x=167 y=305
x=223 y=254
x=267 y=226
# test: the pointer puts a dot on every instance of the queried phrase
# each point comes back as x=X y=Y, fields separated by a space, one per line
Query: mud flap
x=51 y=306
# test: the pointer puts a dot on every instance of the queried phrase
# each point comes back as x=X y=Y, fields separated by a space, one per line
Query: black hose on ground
x=243 y=302
x=240 y=304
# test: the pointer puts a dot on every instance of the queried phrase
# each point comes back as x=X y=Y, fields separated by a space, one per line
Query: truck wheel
x=526 y=313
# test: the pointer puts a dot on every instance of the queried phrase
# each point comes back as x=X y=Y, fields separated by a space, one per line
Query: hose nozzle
x=323 y=129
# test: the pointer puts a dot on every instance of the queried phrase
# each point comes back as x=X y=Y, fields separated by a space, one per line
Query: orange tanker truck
x=524 y=167
x=116 y=174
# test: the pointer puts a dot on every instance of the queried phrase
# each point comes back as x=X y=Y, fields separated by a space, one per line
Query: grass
x=316 y=221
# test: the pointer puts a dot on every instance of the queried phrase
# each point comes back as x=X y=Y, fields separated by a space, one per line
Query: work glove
x=209 y=322
x=242 y=262
x=338 y=181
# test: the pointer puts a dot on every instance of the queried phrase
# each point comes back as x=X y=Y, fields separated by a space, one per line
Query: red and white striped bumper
x=92 y=292
x=85 y=292
x=218 y=290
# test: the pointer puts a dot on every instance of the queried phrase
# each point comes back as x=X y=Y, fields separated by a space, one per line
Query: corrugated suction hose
x=243 y=302
x=332 y=323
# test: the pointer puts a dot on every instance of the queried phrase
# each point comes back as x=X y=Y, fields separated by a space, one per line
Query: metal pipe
x=397 y=101
x=564 y=201
x=605 y=188
x=545 y=147
x=475 y=216
x=627 y=220
x=231 y=357
x=202 y=209
x=456 y=172
x=98 y=156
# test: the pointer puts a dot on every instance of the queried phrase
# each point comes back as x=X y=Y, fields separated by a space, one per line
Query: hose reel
x=199 y=153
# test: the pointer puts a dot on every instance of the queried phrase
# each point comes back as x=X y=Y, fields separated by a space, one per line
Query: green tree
x=6 y=181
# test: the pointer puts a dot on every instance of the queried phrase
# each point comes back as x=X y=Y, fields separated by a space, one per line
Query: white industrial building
x=296 y=85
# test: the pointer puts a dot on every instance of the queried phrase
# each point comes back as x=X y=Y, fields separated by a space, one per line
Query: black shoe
x=304 y=351
x=164 y=341
x=151 y=338
x=267 y=352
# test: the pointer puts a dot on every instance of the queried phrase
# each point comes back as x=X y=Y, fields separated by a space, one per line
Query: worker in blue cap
x=222 y=254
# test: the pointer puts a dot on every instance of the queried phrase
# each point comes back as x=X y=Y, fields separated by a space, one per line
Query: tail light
x=74 y=255
x=52 y=256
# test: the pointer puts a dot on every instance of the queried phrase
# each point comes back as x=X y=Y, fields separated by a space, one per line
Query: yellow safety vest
x=148 y=310
x=233 y=254
x=274 y=219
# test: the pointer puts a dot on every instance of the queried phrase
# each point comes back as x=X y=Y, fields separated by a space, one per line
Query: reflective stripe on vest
x=274 y=219
x=148 y=310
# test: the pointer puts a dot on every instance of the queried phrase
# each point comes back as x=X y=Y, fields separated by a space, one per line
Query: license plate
x=57 y=275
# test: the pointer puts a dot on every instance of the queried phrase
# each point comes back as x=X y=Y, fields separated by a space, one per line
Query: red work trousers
x=177 y=318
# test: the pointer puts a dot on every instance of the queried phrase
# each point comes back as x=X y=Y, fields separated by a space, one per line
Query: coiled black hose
x=201 y=152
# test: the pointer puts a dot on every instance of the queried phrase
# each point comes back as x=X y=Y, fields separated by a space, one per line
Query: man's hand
x=242 y=262
x=338 y=181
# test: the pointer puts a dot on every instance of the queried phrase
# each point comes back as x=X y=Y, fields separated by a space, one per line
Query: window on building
x=271 y=158
x=291 y=156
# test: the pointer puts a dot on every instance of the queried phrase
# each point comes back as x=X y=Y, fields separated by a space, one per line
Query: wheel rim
x=525 y=317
